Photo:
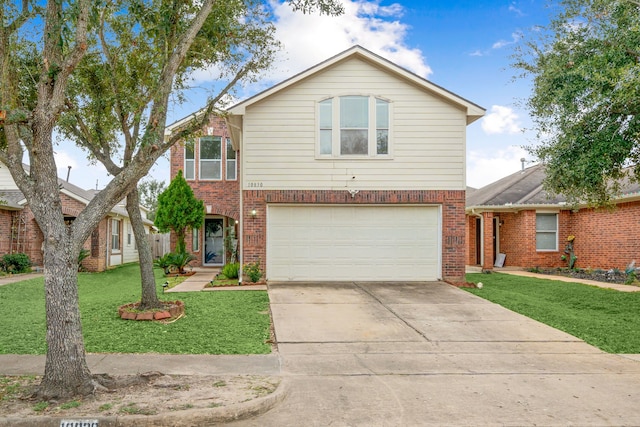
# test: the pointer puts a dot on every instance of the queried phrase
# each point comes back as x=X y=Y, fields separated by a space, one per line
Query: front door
x=213 y=241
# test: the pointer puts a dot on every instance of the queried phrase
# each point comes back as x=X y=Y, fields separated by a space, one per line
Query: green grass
x=214 y=322
x=605 y=318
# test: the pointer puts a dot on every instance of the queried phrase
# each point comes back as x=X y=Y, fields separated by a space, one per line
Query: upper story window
x=211 y=157
x=353 y=126
x=231 y=162
x=189 y=163
x=546 y=231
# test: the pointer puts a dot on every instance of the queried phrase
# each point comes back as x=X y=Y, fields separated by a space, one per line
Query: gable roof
x=473 y=111
x=10 y=200
x=16 y=200
x=524 y=189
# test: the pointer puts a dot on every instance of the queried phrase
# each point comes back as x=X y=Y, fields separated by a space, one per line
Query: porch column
x=487 y=240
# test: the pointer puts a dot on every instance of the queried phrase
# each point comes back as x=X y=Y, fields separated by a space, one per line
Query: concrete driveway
x=397 y=354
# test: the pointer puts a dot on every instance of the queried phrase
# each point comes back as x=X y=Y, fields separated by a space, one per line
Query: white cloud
x=501 y=120
x=63 y=161
x=515 y=37
x=83 y=173
x=487 y=166
x=312 y=38
x=514 y=9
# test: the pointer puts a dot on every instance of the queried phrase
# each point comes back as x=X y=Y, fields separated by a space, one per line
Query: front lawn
x=607 y=319
x=214 y=322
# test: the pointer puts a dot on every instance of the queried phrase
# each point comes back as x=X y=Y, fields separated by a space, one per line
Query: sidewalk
x=517 y=271
x=13 y=278
x=169 y=364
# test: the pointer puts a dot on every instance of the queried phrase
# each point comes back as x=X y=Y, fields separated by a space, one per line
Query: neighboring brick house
x=516 y=217
x=351 y=170
x=111 y=243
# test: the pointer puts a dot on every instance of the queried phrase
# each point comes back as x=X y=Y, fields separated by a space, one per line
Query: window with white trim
x=189 y=163
x=546 y=231
x=211 y=157
x=353 y=126
x=231 y=162
x=115 y=235
x=129 y=234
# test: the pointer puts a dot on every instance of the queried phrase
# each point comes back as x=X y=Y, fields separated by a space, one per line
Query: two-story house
x=351 y=170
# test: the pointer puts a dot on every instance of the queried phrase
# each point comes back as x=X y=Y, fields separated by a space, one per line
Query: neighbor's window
x=189 y=163
x=546 y=231
x=195 y=242
x=231 y=162
x=210 y=157
x=115 y=235
x=354 y=126
x=128 y=234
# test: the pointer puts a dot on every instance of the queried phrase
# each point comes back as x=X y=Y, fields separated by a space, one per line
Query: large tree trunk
x=149 y=296
x=66 y=372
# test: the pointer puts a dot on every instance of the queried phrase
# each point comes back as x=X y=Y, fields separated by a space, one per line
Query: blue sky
x=463 y=46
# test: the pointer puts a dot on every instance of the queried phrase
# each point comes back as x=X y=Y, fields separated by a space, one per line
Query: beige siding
x=129 y=252
x=427 y=140
x=6 y=180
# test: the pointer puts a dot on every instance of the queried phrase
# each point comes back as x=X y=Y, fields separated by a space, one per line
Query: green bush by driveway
x=232 y=322
x=605 y=318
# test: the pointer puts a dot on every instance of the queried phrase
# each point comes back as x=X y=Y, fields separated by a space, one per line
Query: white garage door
x=334 y=243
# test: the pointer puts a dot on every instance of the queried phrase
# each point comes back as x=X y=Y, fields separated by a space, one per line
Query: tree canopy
x=586 y=98
x=103 y=74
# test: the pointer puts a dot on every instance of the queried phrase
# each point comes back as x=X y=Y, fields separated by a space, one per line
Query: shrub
x=230 y=271
x=252 y=270
x=180 y=260
x=84 y=253
x=16 y=263
x=164 y=262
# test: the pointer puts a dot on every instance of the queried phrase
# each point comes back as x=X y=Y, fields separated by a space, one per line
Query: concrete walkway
x=616 y=286
x=14 y=278
x=517 y=271
x=203 y=276
x=393 y=354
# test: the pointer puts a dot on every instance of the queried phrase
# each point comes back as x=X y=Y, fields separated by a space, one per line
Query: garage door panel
x=353 y=243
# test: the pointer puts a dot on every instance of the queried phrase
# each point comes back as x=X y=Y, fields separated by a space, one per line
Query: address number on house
x=79 y=423
x=254 y=184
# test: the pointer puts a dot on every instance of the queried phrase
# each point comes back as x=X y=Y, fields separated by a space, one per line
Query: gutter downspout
x=241 y=224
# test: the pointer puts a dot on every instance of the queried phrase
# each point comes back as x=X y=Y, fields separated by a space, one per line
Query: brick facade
x=453 y=226
x=221 y=197
x=604 y=238
x=21 y=233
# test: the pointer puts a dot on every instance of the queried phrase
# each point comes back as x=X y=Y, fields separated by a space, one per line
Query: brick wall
x=604 y=238
x=5 y=231
x=452 y=202
x=221 y=198
x=32 y=238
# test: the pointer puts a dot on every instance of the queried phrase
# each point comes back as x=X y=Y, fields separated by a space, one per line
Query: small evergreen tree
x=178 y=209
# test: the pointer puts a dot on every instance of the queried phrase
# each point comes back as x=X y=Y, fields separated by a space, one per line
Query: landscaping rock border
x=174 y=309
